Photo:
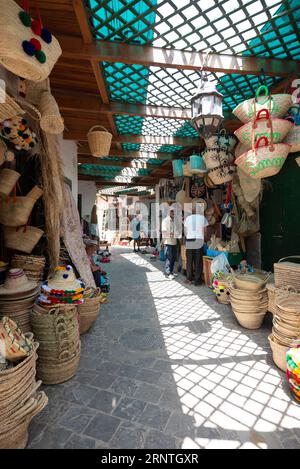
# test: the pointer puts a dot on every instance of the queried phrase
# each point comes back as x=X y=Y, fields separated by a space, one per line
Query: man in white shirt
x=170 y=243
x=194 y=226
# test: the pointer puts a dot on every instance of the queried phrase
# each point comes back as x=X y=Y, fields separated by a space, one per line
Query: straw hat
x=16 y=282
x=63 y=280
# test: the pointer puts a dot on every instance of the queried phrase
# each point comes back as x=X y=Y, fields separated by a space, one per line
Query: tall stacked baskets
x=89 y=310
x=33 y=266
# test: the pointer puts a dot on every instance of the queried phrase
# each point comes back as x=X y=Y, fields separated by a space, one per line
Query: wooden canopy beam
x=74 y=48
x=83 y=149
x=119 y=164
x=103 y=182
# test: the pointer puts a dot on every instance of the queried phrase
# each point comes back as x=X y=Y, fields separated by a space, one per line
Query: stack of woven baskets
x=19 y=399
x=89 y=310
x=284 y=303
x=249 y=299
x=219 y=157
x=57 y=331
x=33 y=266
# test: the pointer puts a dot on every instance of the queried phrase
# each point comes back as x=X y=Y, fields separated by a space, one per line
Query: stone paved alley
x=166 y=366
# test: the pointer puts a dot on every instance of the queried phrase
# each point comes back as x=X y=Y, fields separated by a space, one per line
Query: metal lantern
x=207 y=109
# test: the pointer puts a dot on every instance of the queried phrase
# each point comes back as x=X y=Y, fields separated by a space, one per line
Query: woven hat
x=63 y=280
x=16 y=282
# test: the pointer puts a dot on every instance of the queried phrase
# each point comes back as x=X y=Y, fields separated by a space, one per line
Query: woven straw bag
x=263 y=127
x=279 y=353
x=215 y=157
x=22 y=239
x=293 y=138
x=13 y=344
x=8 y=180
x=99 y=141
x=221 y=174
x=16 y=211
x=263 y=161
x=277 y=105
x=51 y=120
x=8 y=106
x=12 y=55
x=250 y=320
x=221 y=140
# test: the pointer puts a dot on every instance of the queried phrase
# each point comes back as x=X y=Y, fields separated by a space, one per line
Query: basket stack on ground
x=19 y=399
x=33 y=266
x=249 y=299
x=293 y=371
x=89 y=310
x=17 y=296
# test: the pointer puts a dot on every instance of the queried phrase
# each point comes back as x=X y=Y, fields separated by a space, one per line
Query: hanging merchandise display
x=99 y=141
x=197 y=165
x=27 y=48
x=22 y=238
x=197 y=187
x=51 y=120
x=16 y=211
x=9 y=108
x=177 y=168
x=62 y=287
x=250 y=187
x=8 y=180
x=215 y=157
x=5 y=154
x=263 y=161
x=221 y=174
x=221 y=140
x=277 y=105
x=293 y=138
x=17 y=131
x=263 y=126
x=187 y=169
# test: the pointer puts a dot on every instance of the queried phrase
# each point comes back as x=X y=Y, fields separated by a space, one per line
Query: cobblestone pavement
x=166 y=366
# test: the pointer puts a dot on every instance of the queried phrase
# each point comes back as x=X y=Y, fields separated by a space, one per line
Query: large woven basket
x=263 y=161
x=16 y=211
x=250 y=282
x=222 y=174
x=277 y=105
x=263 y=127
x=12 y=55
x=287 y=273
x=8 y=106
x=215 y=157
x=22 y=239
x=51 y=120
x=88 y=313
x=221 y=140
x=8 y=180
x=58 y=372
x=250 y=320
x=99 y=141
x=279 y=353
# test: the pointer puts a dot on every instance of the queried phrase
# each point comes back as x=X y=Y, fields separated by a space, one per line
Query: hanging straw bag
x=51 y=120
x=16 y=211
x=293 y=138
x=17 y=53
x=215 y=157
x=8 y=180
x=221 y=174
x=262 y=128
x=263 y=161
x=99 y=141
x=8 y=106
x=277 y=105
x=22 y=239
x=221 y=140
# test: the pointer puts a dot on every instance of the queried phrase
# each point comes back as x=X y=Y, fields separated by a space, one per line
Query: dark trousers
x=194 y=262
x=171 y=254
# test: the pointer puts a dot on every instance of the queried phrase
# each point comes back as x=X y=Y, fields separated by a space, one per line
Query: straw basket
x=59 y=372
x=8 y=180
x=8 y=106
x=99 y=141
x=215 y=157
x=15 y=212
x=263 y=161
x=222 y=174
x=221 y=140
x=22 y=239
x=293 y=139
x=277 y=105
x=88 y=313
x=250 y=320
x=279 y=353
x=287 y=274
x=263 y=127
x=249 y=282
x=12 y=55
x=51 y=120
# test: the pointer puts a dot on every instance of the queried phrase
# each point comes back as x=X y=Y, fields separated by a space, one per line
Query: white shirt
x=170 y=231
x=194 y=226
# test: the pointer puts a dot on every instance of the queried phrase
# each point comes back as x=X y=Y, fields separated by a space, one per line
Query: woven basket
x=51 y=120
x=187 y=169
x=271 y=298
x=250 y=282
x=59 y=372
x=23 y=238
x=249 y=321
x=215 y=157
x=279 y=353
x=277 y=105
x=287 y=274
x=263 y=161
x=222 y=174
x=221 y=140
x=99 y=141
x=16 y=211
x=8 y=180
x=88 y=313
x=263 y=127
x=293 y=139
x=8 y=106
x=12 y=55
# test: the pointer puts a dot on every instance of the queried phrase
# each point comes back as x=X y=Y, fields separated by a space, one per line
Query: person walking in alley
x=136 y=231
x=170 y=244
x=194 y=227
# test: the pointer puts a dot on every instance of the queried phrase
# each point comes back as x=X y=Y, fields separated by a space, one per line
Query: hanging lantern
x=207 y=109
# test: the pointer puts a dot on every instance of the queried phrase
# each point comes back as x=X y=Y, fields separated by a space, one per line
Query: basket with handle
x=221 y=140
x=287 y=273
x=88 y=312
x=263 y=125
x=16 y=210
x=222 y=174
x=293 y=137
x=277 y=105
x=215 y=157
x=8 y=106
x=22 y=238
x=51 y=120
x=14 y=40
x=263 y=161
x=8 y=180
x=99 y=141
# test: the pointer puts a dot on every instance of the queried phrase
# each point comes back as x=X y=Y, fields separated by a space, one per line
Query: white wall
x=88 y=191
x=68 y=153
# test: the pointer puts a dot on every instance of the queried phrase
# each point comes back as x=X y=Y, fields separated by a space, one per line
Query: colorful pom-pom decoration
x=36 y=43
x=25 y=18
x=65 y=275
x=36 y=27
x=28 y=48
x=40 y=56
x=46 y=35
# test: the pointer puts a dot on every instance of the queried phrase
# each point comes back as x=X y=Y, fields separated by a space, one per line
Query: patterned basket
x=263 y=161
x=221 y=174
x=277 y=105
x=99 y=141
x=221 y=140
x=215 y=157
